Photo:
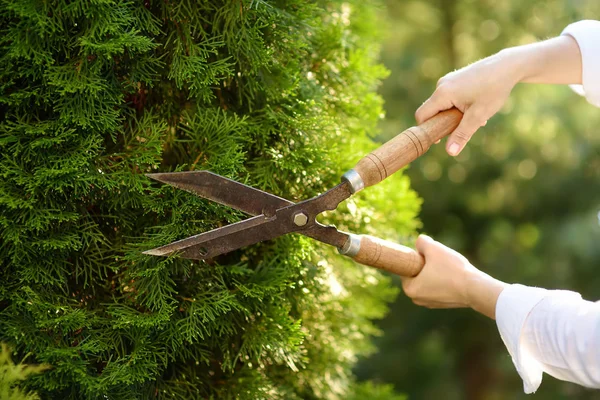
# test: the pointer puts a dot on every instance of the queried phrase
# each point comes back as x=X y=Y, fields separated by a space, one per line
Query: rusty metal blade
x=224 y=191
x=262 y=227
x=222 y=240
x=235 y=236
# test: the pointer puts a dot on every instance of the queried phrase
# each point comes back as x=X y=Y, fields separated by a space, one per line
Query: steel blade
x=261 y=228
x=224 y=191
x=223 y=240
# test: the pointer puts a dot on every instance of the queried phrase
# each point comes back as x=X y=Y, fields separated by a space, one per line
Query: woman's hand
x=448 y=280
x=481 y=89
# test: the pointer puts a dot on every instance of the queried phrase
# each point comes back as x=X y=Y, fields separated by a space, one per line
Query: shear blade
x=224 y=191
x=274 y=218
x=223 y=240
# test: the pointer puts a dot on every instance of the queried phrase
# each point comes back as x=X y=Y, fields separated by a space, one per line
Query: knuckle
x=461 y=136
x=448 y=92
x=444 y=79
x=479 y=116
x=443 y=90
x=418 y=114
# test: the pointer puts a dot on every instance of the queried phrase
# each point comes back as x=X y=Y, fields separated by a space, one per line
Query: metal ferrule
x=351 y=247
x=356 y=182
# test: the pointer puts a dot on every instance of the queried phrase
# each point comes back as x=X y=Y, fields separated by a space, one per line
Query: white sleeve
x=556 y=332
x=587 y=35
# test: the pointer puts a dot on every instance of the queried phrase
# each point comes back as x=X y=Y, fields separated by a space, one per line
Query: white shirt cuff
x=587 y=35
x=512 y=309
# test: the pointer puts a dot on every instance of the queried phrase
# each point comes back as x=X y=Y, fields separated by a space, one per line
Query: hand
x=448 y=280
x=481 y=89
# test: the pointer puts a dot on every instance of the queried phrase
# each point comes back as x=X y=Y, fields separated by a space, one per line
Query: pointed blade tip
x=155 y=252
x=154 y=175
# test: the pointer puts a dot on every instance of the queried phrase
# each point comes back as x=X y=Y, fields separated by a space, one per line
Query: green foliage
x=368 y=390
x=520 y=202
x=279 y=95
x=11 y=374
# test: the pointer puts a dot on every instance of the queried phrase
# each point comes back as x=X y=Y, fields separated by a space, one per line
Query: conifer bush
x=279 y=95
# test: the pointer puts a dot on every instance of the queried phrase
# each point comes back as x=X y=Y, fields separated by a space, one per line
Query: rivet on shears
x=300 y=219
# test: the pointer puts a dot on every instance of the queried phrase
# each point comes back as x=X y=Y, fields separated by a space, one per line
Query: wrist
x=482 y=292
x=518 y=63
x=553 y=61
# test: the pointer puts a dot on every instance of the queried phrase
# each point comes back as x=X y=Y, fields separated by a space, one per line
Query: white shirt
x=556 y=331
x=587 y=35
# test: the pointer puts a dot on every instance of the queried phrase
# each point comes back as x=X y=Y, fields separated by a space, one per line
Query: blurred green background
x=521 y=202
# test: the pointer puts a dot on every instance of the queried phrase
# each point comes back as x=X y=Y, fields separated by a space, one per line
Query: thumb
x=424 y=244
x=471 y=121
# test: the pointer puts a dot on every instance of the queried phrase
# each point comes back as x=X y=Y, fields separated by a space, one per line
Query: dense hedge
x=280 y=95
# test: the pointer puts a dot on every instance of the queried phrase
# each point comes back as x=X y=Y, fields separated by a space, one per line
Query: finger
x=440 y=305
x=418 y=303
x=469 y=124
x=428 y=247
x=408 y=286
x=433 y=105
x=435 y=304
x=423 y=244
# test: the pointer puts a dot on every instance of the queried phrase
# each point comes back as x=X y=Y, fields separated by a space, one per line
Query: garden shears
x=273 y=216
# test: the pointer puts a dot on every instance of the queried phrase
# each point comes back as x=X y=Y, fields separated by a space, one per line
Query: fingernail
x=454 y=149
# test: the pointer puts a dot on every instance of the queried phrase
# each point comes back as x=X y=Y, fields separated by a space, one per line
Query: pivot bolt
x=300 y=219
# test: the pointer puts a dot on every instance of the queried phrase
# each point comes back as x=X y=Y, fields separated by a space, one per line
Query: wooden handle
x=406 y=147
x=392 y=257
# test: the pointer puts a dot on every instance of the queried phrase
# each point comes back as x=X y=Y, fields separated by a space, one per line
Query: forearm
x=553 y=61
